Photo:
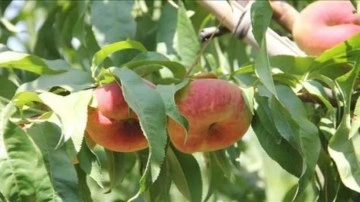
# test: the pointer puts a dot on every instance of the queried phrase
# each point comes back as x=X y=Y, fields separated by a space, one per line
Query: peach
x=324 y=24
x=217 y=116
x=113 y=124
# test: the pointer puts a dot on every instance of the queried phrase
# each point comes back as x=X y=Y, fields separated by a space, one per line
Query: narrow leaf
x=261 y=14
x=186 y=42
x=186 y=174
x=89 y=163
x=83 y=186
x=120 y=165
x=263 y=69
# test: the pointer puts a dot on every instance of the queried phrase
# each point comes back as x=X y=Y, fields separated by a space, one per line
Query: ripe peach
x=323 y=24
x=113 y=124
x=217 y=116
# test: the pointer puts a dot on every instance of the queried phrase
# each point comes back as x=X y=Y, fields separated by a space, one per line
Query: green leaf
x=90 y=164
x=23 y=61
x=147 y=59
x=220 y=158
x=160 y=189
x=107 y=50
x=60 y=168
x=7 y=88
x=290 y=117
x=167 y=93
x=166 y=31
x=343 y=148
x=261 y=14
x=292 y=65
x=120 y=165
x=307 y=138
x=355 y=123
x=72 y=80
x=216 y=177
x=23 y=98
x=22 y=170
x=148 y=105
x=45 y=37
x=112 y=21
x=72 y=110
x=263 y=69
x=83 y=186
x=272 y=142
x=315 y=88
x=186 y=174
x=187 y=43
x=341 y=52
x=58 y=64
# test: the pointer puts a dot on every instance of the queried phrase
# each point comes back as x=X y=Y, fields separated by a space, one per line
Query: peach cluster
x=215 y=110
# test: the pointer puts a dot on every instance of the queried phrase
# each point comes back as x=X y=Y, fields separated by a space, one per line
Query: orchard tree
x=179 y=100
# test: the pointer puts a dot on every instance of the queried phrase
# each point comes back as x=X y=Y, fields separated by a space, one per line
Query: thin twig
x=198 y=57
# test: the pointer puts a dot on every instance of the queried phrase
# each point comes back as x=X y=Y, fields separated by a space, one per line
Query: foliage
x=54 y=53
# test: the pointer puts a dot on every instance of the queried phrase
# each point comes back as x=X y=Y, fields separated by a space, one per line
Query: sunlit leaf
x=23 y=98
x=340 y=52
x=72 y=110
x=107 y=50
x=23 y=61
